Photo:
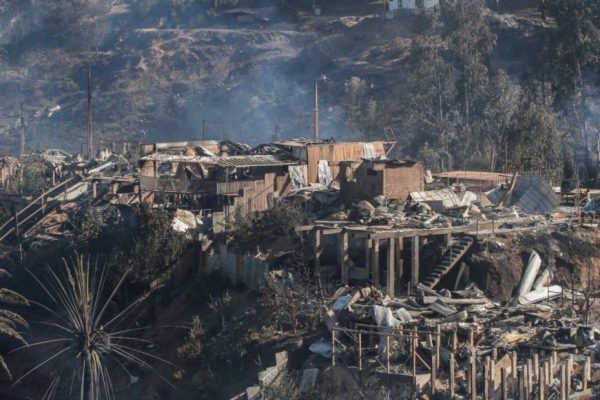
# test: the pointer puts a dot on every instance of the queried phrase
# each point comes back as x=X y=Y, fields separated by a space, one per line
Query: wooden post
x=433 y=375
x=451 y=383
x=513 y=362
x=486 y=378
x=343 y=256
x=493 y=375
x=454 y=340
x=333 y=348
x=504 y=384
x=387 y=352
x=473 y=379
x=318 y=254
x=414 y=266
x=529 y=375
x=586 y=372
x=522 y=383
x=359 y=351
x=368 y=256
x=569 y=374
x=542 y=383
x=94 y=190
x=471 y=339
x=375 y=263
x=536 y=366
x=438 y=344
x=399 y=259
x=563 y=382
x=391 y=274
x=526 y=375
x=413 y=340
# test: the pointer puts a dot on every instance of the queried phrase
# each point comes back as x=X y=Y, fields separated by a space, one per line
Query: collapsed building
x=389 y=241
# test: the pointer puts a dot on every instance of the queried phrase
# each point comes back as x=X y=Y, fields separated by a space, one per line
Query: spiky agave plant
x=86 y=340
x=9 y=320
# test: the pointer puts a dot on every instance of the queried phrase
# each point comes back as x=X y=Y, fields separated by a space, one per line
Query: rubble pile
x=464 y=333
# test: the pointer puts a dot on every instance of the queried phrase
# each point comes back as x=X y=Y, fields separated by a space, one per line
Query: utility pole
x=276 y=133
x=316 y=113
x=22 y=134
x=203 y=130
x=90 y=132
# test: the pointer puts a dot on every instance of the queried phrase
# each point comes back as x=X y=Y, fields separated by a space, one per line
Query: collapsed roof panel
x=446 y=196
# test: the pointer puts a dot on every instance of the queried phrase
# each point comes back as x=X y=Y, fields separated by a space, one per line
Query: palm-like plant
x=9 y=320
x=84 y=338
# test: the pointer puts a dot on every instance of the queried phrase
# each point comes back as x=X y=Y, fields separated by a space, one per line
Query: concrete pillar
x=375 y=263
x=414 y=280
x=391 y=275
x=343 y=256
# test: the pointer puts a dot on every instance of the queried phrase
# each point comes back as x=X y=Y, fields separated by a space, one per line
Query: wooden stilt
x=586 y=372
x=318 y=250
x=473 y=380
x=522 y=383
x=359 y=351
x=438 y=340
x=375 y=263
x=391 y=274
x=452 y=382
x=542 y=383
x=536 y=366
x=486 y=378
x=504 y=384
x=343 y=256
x=569 y=374
x=399 y=260
x=433 y=374
x=563 y=382
x=414 y=280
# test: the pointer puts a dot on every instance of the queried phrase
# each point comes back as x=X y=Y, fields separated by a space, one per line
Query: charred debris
x=385 y=242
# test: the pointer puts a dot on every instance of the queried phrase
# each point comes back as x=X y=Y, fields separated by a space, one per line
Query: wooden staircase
x=451 y=257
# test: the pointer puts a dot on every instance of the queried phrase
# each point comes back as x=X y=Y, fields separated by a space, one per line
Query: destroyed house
x=393 y=179
x=213 y=180
x=323 y=157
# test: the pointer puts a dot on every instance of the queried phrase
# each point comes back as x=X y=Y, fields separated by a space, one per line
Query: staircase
x=451 y=257
x=38 y=207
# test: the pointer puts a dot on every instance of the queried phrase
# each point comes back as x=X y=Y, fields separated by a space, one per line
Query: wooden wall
x=353 y=151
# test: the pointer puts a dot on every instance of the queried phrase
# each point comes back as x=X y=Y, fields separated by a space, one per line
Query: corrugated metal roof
x=253 y=161
x=225 y=161
x=474 y=176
